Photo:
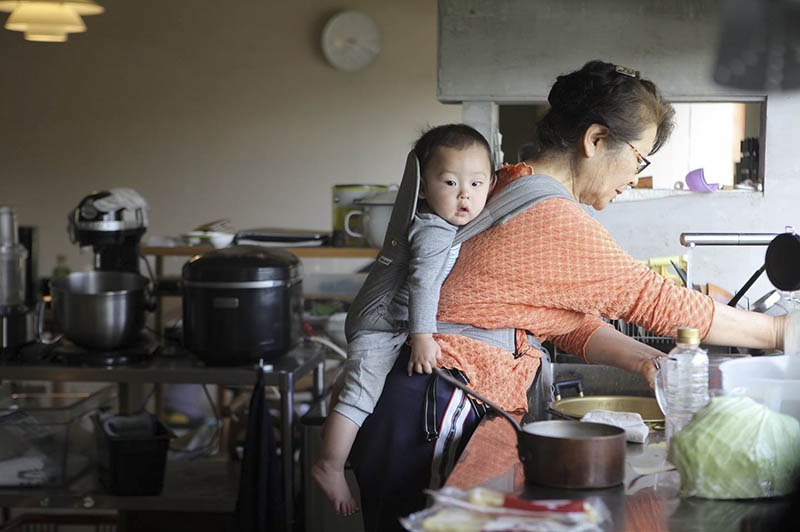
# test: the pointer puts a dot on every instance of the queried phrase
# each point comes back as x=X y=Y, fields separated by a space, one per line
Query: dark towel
x=259 y=505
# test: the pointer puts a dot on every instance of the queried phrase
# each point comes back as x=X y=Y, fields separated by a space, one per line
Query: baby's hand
x=424 y=353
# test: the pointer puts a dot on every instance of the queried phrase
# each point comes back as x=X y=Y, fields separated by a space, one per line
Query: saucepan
x=564 y=454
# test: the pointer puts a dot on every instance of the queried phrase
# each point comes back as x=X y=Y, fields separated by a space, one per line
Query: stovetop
x=70 y=354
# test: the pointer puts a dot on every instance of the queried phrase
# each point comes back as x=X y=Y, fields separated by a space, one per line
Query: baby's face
x=457 y=182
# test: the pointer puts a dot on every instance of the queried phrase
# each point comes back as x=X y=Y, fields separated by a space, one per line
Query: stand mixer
x=99 y=315
x=112 y=222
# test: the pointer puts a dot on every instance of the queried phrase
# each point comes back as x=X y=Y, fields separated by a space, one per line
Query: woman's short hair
x=457 y=136
x=606 y=94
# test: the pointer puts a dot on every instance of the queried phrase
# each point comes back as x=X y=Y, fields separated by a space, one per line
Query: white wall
x=512 y=51
x=210 y=110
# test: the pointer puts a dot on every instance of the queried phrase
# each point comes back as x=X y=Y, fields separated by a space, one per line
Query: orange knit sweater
x=551 y=270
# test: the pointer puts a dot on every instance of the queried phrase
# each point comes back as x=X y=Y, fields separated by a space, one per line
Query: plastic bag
x=485 y=510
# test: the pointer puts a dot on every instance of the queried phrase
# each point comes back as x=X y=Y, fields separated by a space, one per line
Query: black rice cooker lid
x=242 y=263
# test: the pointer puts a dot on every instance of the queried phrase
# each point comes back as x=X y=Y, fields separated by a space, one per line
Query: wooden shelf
x=302 y=252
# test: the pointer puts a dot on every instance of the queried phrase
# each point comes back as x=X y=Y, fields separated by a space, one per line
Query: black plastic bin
x=133 y=466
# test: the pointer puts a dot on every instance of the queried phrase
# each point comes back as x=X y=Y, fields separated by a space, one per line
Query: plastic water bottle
x=685 y=380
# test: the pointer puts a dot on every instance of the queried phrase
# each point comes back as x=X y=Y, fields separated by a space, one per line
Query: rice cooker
x=242 y=304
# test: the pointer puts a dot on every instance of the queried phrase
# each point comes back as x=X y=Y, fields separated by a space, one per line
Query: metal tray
x=577 y=407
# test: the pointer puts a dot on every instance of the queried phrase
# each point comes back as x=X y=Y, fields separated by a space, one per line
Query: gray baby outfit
x=409 y=272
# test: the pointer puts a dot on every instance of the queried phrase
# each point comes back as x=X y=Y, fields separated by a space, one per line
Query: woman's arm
x=610 y=347
x=736 y=327
x=730 y=326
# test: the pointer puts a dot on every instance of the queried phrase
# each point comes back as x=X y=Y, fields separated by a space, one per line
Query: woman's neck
x=558 y=169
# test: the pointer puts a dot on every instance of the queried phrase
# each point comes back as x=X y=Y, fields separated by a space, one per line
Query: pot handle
x=347 y=229
x=466 y=389
x=576 y=383
x=40 y=336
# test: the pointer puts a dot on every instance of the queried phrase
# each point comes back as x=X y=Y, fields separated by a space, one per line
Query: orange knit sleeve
x=599 y=278
x=576 y=340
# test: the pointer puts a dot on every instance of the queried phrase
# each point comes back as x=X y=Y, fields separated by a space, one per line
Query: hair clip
x=625 y=71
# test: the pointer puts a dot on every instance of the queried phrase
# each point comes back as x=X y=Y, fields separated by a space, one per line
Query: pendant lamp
x=48 y=20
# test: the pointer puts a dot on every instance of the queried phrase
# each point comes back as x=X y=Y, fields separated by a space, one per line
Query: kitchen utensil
x=344 y=201
x=242 y=304
x=99 y=309
x=16 y=317
x=217 y=239
x=680 y=271
x=773 y=381
x=766 y=302
x=577 y=407
x=746 y=286
x=696 y=181
x=375 y=212
x=782 y=261
x=12 y=260
x=222 y=225
x=782 y=264
x=112 y=222
x=564 y=454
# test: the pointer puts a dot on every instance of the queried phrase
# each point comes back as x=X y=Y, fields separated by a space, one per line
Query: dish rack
x=637 y=332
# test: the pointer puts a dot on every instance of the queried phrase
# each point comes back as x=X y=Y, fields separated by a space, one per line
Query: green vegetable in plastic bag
x=736 y=448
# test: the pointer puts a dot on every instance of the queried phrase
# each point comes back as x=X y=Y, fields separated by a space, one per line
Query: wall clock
x=351 y=41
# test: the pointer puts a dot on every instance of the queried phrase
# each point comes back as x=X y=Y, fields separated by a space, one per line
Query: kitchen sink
x=597 y=379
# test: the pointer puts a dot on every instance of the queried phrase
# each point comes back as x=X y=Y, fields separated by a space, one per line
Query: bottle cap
x=687 y=335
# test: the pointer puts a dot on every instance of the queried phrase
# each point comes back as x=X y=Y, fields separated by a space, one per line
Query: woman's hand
x=424 y=353
x=648 y=367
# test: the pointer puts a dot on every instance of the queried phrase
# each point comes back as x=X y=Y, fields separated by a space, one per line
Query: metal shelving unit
x=210 y=484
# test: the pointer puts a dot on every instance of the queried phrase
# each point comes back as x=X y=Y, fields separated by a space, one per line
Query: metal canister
x=12 y=261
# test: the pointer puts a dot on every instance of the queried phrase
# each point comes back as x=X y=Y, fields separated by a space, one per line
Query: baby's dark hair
x=605 y=94
x=457 y=136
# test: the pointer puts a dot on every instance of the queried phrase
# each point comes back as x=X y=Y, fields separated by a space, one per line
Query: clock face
x=351 y=40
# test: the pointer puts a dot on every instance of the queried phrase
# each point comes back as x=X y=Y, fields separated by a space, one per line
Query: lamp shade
x=81 y=7
x=46 y=36
x=42 y=17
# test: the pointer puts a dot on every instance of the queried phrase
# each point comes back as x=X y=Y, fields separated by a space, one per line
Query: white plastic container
x=773 y=381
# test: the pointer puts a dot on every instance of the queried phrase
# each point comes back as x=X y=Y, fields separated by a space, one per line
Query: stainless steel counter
x=652 y=501
x=644 y=502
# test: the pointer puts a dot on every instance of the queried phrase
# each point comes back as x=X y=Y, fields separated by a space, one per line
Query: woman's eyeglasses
x=642 y=160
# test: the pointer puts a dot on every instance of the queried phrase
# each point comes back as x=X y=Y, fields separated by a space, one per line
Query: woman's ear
x=594 y=135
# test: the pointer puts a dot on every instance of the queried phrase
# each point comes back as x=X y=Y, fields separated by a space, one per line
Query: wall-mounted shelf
x=302 y=252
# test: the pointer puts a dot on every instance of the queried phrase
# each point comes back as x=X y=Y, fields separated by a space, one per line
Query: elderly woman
x=550 y=271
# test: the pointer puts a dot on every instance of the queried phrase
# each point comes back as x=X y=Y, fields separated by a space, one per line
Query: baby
x=455 y=165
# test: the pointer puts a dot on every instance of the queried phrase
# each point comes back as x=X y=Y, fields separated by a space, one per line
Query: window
x=722 y=138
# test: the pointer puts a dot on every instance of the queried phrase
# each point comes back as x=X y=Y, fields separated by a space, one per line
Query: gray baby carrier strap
x=515 y=198
x=505 y=339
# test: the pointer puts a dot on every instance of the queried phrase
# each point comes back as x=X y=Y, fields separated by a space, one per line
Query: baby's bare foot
x=334 y=485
